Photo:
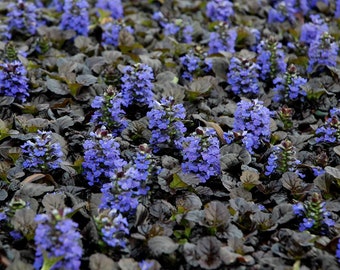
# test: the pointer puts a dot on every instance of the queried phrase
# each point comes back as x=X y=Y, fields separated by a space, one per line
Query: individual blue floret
x=219 y=10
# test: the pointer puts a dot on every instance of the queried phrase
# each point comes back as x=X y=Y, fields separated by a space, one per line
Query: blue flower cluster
x=282 y=159
x=322 y=52
x=114 y=6
x=76 y=16
x=337 y=9
x=329 y=132
x=288 y=86
x=125 y=188
x=222 y=40
x=112 y=227
x=315 y=217
x=310 y=31
x=42 y=154
x=165 y=122
x=243 y=76
x=101 y=157
x=109 y=111
x=111 y=31
x=13 y=80
x=192 y=65
x=219 y=10
x=182 y=29
x=22 y=17
x=282 y=11
x=137 y=85
x=201 y=154
x=56 y=238
x=270 y=58
x=252 y=122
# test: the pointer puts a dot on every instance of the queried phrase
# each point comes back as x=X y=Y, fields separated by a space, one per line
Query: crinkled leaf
x=54 y=201
x=177 y=182
x=128 y=264
x=86 y=79
x=336 y=149
x=190 y=254
x=216 y=214
x=35 y=190
x=162 y=210
x=208 y=249
x=283 y=213
x=299 y=141
x=19 y=265
x=250 y=179
x=23 y=221
x=335 y=172
x=142 y=215
x=162 y=244
x=57 y=87
x=154 y=63
x=241 y=192
x=190 y=179
x=228 y=256
x=100 y=261
x=3 y=194
x=188 y=202
x=6 y=100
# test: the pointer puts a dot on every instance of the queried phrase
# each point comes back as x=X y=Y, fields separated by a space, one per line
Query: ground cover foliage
x=169 y=134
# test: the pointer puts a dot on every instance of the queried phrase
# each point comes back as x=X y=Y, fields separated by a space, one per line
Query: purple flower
x=165 y=122
x=42 y=154
x=314 y=215
x=288 y=86
x=337 y=254
x=114 y=6
x=75 y=16
x=112 y=227
x=201 y=154
x=322 y=52
x=22 y=17
x=190 y=63
x=337 y=9
x=329 y=132
x=310 y=31
x=146 y=265
x=282 y=11
x=243 y=76
x=101 y=158
x=137 y=85
x=222 y=40
x=219 y=10
x=109 y=111
x=270 y=58
x=56 y=236
x=252 y=121
x=126 y=187
x=111 y=31
x=13 y=80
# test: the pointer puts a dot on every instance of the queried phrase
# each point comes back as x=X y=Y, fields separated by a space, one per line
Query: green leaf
x=177 y=182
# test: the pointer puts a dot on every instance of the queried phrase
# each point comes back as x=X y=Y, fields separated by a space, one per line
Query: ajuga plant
x=111 y=31
x=115 y=7
x=41 y=153
x=112 y=228
x=136 y=87
x=22 y=17
x=13 y=80
x=329 y=132
x=315 y=217
x=76 y=16
x=282 y=159
x=57 y=5
x=165 y=122
x=223 y=39
x=201 y=154
x=219 y=10
x=337 y=14
x=102 y=158
x=126 y=187
x=281 y=12
x=323 y=51
x=285 y=114
x=288 y=86
x=310 y=31
x=57 y=241
x=252 y=123
x=243 y=76
x=270 y=58
x=179 y=28
x=109 y=111
x=193 y=65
